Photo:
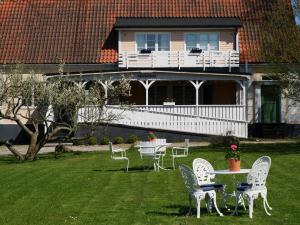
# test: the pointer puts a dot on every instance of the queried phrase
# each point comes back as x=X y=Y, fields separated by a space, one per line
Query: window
x=153 y=41
x=190 y=41
x=204 y=41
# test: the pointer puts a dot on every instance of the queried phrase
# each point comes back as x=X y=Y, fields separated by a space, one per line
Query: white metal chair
x=148 y=150
x=203 y=171
x=256 y=184
x=121 y=152
x=195 y=191
x=180 y=152
x=161 y=149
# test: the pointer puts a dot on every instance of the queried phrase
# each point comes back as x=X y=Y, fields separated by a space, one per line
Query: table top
x=241 y=171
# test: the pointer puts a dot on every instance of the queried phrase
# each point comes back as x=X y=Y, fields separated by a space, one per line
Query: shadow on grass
x=182 y=211
x=130 y=170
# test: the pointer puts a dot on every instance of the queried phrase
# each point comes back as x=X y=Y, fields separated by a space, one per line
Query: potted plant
x=196 y=50
x=151 y=136
x=233 y=156
x=169 y=101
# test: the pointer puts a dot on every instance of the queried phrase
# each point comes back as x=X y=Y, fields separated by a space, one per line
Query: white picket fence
x=179 y=59
x=210 y=120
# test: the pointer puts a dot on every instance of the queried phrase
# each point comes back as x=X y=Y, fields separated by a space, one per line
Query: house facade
x=195 y=66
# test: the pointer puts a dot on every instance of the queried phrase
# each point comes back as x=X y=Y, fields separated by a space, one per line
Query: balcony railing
x=178 y=59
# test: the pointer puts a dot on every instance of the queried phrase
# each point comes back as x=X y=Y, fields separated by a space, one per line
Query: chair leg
x=215 y=204
x=190 y=208
x=173 y=163
x=264 y=196
x=250 y=206
x=198 y=207
x=127 y=164
x=267 y=203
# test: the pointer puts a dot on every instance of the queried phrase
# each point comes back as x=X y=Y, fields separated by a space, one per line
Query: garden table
x=160 y=151
x=235 y=184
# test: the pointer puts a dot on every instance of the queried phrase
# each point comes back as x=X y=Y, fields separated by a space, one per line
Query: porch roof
x=154 y=75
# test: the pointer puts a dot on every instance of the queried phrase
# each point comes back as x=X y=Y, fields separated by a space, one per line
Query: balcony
x=180 y=59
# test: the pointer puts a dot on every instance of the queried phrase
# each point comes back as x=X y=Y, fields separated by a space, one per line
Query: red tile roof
x=81 y=31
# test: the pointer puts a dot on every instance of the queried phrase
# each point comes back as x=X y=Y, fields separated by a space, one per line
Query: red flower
x=233 y=147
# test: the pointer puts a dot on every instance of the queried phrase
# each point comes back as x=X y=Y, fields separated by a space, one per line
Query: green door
x=270 y=104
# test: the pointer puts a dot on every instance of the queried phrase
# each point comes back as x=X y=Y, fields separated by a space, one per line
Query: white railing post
x=229 y=61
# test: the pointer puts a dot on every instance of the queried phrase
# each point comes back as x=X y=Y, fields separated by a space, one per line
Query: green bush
x=118 y=140
x=78 y=141
x=223 y=141
x=104 y=141
x=132 y=139
x=92 y=140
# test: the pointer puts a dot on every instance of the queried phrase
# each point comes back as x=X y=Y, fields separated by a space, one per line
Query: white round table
x=241 y=171
x=235 y=184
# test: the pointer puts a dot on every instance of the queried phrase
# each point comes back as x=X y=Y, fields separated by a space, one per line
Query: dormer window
x=207 y=41
x=152 y=41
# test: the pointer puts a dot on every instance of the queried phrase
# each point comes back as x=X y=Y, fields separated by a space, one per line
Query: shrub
x=224 y=141
x=118 y=140
x=104 y=141
x=78 y=141
x=132 y=139
x=92 y=140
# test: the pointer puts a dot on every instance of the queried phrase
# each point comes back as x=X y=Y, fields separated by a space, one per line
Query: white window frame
x=198 y=39
x=156 y=39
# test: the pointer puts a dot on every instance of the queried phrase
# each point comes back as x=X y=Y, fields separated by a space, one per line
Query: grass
x=89 y=188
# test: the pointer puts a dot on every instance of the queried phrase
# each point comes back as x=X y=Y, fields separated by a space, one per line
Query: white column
x=147 y=84
x=197 y=86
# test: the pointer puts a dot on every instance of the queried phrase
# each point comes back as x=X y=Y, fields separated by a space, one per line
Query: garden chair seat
x=214 y=186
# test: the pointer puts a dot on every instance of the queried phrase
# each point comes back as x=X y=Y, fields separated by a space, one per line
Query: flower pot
x=234 y=164
x=152 y=139
x=169 y=103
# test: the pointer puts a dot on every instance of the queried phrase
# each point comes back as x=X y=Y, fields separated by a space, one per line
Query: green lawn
x=89 y=188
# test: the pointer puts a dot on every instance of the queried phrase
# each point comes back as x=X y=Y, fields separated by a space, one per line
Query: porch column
x=197 y=85
x=243 y=99
x=147 y=84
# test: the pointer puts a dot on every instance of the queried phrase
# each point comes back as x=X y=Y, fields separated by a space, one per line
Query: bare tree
x=54 y=103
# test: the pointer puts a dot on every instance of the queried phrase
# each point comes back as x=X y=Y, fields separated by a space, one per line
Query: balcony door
x=158 y=43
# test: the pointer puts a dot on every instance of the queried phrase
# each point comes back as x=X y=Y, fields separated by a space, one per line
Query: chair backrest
x=147 y=148
x=259 y=173
x=189 y=178
x=159 y=142
x=202 y=169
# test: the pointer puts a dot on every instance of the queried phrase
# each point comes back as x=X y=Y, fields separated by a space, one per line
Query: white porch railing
x=179 y=59
x=210 y=120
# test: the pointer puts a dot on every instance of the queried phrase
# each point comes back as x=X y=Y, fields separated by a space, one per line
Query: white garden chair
x=148 y=150
x=120 y=152
x=195 y=191
x=205 y=176
x=256 y=184
x=180 y=152
x=161 y=149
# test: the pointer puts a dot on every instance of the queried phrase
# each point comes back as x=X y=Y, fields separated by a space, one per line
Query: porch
x=214 y=105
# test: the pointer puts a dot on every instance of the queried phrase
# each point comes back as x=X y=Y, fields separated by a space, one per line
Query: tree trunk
x=32 y=149
x=14 y=151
